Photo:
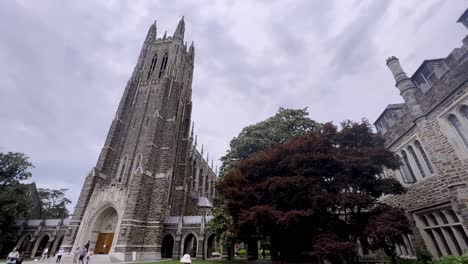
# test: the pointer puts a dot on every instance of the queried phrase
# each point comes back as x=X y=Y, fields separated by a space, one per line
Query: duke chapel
x=151 y=190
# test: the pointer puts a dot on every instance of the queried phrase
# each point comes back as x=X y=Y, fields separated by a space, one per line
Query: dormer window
x=424 y=77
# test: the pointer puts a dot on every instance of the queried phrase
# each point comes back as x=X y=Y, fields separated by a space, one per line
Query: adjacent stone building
x=429 y=132
x=150 y=193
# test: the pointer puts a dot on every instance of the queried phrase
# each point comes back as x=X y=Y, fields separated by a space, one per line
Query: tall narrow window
x=163 y=65
x=457 y=125
x=122 y=168
x=137 y=164
x=413 y=154
x=423 y=154
x=409 y=171
x=152 y=66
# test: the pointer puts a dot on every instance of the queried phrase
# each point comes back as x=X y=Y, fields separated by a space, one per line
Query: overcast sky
x=64 y=66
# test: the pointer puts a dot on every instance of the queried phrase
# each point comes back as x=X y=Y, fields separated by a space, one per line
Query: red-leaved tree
x=312 y=194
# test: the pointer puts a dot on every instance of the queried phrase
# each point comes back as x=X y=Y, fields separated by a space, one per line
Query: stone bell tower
x=126 y=197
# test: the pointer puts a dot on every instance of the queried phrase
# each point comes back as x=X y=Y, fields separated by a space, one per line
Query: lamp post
x=205 y=206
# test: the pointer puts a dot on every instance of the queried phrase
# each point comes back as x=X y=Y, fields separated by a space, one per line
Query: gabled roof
x=389 y=107
x=424 y=63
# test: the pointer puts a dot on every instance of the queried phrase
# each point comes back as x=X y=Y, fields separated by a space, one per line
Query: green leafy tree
x=284 y=125
x=54 y=203
x=14 y=168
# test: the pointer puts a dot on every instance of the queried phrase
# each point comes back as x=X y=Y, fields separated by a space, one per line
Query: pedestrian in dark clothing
x=83 y=253
x=87 y=245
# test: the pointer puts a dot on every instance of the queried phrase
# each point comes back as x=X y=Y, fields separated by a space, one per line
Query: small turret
x=165 y=35
x=405 y=85
x=192 y=51
x=179 y=32
x=191 y=133
x=152 y=32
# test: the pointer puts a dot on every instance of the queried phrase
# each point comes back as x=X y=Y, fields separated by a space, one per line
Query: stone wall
x=442 y=180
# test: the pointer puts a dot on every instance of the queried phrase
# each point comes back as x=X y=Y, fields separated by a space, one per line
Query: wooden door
x=103 y=243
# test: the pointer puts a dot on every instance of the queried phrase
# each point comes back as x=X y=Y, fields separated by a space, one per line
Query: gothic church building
x=149 y=195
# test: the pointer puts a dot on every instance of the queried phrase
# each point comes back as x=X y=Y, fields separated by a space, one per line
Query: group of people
x=80 y=254
x=15 y=257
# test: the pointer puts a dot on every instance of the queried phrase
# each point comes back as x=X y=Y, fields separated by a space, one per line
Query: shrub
x=407 y=261
x=423 y=256
x=241 y=252
x=453 y=260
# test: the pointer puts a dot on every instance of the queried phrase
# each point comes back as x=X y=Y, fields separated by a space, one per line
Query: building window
x=137 y=164
x=122 y=168
x=416 y=160
x=443 y=232
x=406 y=249
x=152 y=66
x=408 y=174
x=163 y=65
x=418 y=146
x=458 y=127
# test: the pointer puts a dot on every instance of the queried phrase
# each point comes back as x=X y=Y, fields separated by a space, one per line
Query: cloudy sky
x=64 y=65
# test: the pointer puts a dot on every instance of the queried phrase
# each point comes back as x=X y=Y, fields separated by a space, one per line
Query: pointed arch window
x=154 y=60
x=137 y=164
x=416 y=160
x=163 y=65
x=418 y=145
x=122 y=168
x=457 y=125
x=408 y=171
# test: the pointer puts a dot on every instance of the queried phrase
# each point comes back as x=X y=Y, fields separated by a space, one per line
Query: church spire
x=179 y=32
x=152 y=32
x=192 y=51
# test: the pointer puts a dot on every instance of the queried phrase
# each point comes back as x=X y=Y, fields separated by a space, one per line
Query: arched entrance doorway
x=190 y=245
x=24 y=244
x=167 y=246
x=103 y=231
x=56 y=246
x=210 y=245
x=41 y=245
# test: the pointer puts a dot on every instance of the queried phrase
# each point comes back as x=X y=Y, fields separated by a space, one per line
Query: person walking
x=87 y=245
x=44 y=254
x=75 y=255
x=13 y=256
x=88 y=256
x=83 y=253
x=59 y=255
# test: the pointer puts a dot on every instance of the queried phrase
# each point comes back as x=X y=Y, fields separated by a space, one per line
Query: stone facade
x=149 y=172
x=429 y=132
